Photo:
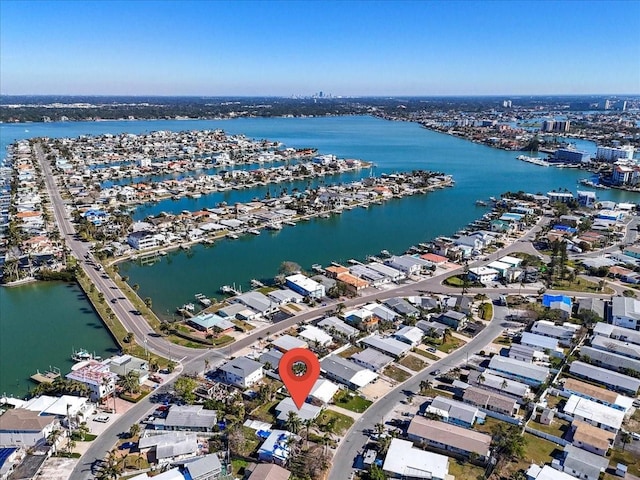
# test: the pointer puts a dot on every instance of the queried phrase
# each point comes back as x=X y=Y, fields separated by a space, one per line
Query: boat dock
x=229 y=290
x=47 y=377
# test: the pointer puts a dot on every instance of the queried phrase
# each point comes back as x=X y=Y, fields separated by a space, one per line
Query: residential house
x=596 y=414
x=528 y=373
x=286 y=405
x=535 y=472
x=451 y=438
x=386 y=345
x=374 y=278
x=362 y=318
x=625 y=312
x=346 y=372
x=169 y=446
x=455 y=412
x=98 y=377
x=323 y=392
x=372 y=359
x=122 y=365
x=483 y=274
x=583 y=464
x=286 y=342
x=405 y=461
x=269 y=471
x=572 y=386
x=410 y=335
x=541 y=343
x=564 y=333
x=490 y=401
x=190 y=418
x=20 y=427
x=401 y=306
x=407 y=264
x=493 y=382
x=212 y=324
x=623 y=348
x=610 y=360
x=305 y=286
x=618 y=333
x=242 y=372
x=591 y=438
x=276 y=448
x=558 y=302
x=315 y=336
x=335 y=326
x=392 y=274
x=617 y=381
x=284 y=296
x=431 y=329
x=455 y=320
x=258 y=302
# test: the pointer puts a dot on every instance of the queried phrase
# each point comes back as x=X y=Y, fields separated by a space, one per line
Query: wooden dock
x=47 y=377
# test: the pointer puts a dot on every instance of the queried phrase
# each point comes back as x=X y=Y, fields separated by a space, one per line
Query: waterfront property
x=20 y=427
x=97 y=376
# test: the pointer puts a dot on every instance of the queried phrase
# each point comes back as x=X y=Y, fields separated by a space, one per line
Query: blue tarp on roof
x=564 y=228
x=547 y=300
x=6 y=453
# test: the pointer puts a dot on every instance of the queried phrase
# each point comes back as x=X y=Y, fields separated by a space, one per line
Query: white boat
x=203 y=299
x=232 y=236
x=274 y=226
x=83 y=355
x=254 y=231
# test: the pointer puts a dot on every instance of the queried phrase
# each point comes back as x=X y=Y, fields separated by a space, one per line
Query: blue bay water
x=479 y=172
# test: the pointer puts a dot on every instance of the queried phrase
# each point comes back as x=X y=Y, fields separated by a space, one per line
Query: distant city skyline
x=342 y=48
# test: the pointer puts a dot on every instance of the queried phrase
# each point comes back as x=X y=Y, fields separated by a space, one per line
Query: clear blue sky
x=338 y=47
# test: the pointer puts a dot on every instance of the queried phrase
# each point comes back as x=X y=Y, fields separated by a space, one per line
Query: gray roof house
x=595 y=305
x=625 y=349
x=617 y=381
x=272 y=357
x=607 y=358
x=170 y=446
x=488 y=380
x=618 y=333
x=242 y=372
x=334 y=324
x=346 y=372
x=490 y=401
x=411 y=335
x=387 y=345
x=286 y=405
x=191 y=418
x=522 y=371
x=625 y=312
x=401 y=306
x=285 y=296
x=372 y=359
x=202 y=467
x=453 y=319
x=447 y=436
x=454 y=412
x=430 y=328
x=583 y=464
x=257 y=301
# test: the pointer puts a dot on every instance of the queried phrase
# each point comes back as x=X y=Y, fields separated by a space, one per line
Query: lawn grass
x=352 y=401
x=626 y=457
x=454 y=281
x=222 y=341
x=334 y=422
x=347 y=352
x=487 y=426
x=242 y=325
x=538 y=450
x=486 y=311
x=464 y=471
x=251 y=441
x=238 y=465
x=558 y=427
x=412 y=363
x=425 y=354
x=451 y=344
x=265 y=412
x=396 y=373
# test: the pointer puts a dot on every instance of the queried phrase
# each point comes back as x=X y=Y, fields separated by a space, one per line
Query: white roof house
x=305 y=286
x=313 y=334
x=403 y=460
x=411 y=335
x=324 y=390
x=286 y=342
x=334 y=324
x=286 y=405
x=346 y=372
x=518 y=370
x=594 y=413
x=546 y=472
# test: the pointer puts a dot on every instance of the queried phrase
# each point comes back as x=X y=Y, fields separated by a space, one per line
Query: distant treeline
x=37 y=108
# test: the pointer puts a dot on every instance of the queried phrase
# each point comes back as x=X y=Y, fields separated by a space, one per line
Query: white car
x=103 y=419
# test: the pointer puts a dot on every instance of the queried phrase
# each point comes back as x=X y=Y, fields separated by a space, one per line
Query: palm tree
x=130 y=382
x=425 y=385
x=134 y=429
x=53 y=438
x=504 y=384
x=308 y=423
x=293 y=422
x=379 y=428
x=625 y=437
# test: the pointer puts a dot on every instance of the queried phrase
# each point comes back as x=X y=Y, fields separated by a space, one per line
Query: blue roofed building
x=559 y=302
x=275 y=448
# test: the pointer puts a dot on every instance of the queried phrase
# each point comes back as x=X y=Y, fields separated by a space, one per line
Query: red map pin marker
x=299 y=386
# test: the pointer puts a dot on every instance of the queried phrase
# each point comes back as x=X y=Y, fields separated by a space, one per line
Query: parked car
x=101 y=419
x=436 y=372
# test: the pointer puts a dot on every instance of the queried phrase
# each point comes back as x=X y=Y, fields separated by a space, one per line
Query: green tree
x=508 y=441
x=376 y=473
x=625 y=438
x=184 y=388
x=130 y=382
x=134 y=430
x=293 y=422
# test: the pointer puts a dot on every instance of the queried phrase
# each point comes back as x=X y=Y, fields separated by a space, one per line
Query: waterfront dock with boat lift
x=49 y=376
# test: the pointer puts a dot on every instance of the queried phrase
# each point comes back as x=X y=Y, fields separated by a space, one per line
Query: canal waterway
x=479 y=171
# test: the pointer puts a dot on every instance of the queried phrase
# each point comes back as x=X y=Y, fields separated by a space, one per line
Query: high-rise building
x=556 y=126
x=611 y=154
